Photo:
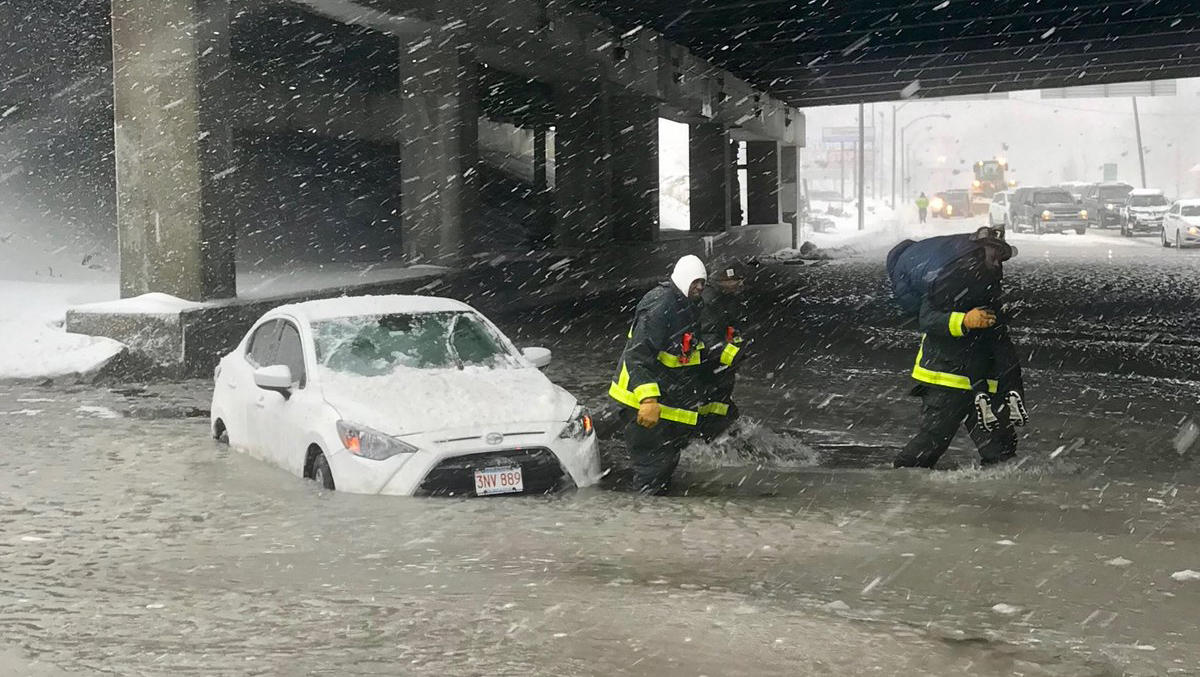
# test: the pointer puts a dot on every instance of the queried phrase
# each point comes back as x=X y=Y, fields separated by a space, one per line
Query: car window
x=1147 y=200
x=291 y=353
x=1191 y=210
x=1052 y=197
x=263 y=344
x=379 y=344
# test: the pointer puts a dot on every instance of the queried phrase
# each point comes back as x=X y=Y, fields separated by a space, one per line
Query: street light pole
x=904 y=157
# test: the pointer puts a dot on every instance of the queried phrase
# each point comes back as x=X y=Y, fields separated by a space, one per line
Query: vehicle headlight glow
x=1083 y=213
x=1046 y=215
x=1109 y=206
x=949 y=209
x=372 y=444
x=1194 y=230
x=579 y=426
x=936 y=204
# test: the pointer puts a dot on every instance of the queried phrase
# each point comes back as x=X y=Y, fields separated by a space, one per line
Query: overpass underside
x=433 y=101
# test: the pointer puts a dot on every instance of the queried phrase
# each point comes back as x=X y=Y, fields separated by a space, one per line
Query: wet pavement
x=134 y=545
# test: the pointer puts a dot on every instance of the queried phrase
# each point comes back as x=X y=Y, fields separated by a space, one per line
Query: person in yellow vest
x=922 y=207
x=658 y=378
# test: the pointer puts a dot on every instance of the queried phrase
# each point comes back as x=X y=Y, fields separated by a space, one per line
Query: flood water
x=131 y=544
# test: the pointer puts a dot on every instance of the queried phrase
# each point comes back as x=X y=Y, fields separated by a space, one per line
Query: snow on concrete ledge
x=154 y=303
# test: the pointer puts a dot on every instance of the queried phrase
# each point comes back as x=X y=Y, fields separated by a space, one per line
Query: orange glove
x=648 y=413
x=980 y=318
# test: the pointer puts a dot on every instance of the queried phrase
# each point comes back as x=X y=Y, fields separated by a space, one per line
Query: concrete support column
x=762 y=182
x=582 y=167
x=635 y=168
x=174 y=152
x=789 y=182
x=710 y=165
x=439 y=154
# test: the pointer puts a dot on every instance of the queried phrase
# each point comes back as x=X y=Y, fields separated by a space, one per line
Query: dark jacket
x=654 y=362
x=722 y=326
x=952 y=356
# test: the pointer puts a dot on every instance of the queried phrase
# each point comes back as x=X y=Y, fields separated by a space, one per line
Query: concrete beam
x=174 y=153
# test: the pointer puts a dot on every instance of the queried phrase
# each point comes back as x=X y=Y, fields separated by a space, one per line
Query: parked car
x=1049 y=210
x=951 y=203
x=1015 y=200
x=1181 y=224
x=1103 y=202
x=407 y=395
x=998 y=210
x=1143 y=211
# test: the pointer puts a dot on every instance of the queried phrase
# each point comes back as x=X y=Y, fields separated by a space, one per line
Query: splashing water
x=751 y=443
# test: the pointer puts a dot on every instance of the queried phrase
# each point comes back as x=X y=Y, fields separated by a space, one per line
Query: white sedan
x=1181 y=224
x=404 y=395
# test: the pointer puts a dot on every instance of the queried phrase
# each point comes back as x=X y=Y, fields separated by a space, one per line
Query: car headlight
x=949 y=209
x=579 y=426
x=1193 y=231
x=367 y=443
x=1083 y=213
x=1046 y=215
x=1109 y=206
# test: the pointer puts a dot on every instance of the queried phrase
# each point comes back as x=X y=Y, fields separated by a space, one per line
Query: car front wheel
x=1165 y=242
x=1179 y=240
x=321 y=473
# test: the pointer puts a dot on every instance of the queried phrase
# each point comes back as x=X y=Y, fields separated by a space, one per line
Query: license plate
x=499 y=481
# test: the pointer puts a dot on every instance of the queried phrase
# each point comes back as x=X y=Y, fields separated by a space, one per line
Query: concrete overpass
x=853 y=51
x=421 y=77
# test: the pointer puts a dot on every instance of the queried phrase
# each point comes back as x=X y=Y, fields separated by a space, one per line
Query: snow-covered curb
x=33 y=343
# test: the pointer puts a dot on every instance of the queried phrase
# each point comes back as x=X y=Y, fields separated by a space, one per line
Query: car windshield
x=1191 y=210
x=1147 y=201
x=1052 y=197
x=1114 y=192
x=373 y=345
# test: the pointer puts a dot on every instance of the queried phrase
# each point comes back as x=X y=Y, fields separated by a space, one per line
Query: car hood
x=1149 y=210
x=410 y=401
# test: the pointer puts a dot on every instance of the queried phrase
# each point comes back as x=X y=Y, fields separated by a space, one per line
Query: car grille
x=540 y=471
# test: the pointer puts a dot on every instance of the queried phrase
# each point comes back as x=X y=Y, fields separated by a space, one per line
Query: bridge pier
x=710 y=165
x=582 y=167
x=762 y=183
x=634 y=162
x=439 y=136
x=175 y=167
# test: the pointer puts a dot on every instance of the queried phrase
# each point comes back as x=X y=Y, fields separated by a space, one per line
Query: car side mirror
x=539 y=357
x=276 y=378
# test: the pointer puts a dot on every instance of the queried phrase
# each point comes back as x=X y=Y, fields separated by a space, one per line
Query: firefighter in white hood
x=659 y=375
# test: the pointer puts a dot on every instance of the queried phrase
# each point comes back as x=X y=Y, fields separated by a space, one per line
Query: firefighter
x=658 y=378
x=964 y=340
x=922 y=207
x=722 y=314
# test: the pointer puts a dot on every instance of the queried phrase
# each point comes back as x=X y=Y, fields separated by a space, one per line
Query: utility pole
x=893 y=157
x=1137 y=125
x=842 y=166
x=862 y=166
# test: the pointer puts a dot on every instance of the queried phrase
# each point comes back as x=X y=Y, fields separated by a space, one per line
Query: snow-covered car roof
x=350 y=306
x=1145 y=191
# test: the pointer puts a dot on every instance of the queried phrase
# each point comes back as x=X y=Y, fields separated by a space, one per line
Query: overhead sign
x=846 y=135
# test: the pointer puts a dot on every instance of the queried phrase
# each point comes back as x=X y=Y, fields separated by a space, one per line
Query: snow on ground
x=33 y=343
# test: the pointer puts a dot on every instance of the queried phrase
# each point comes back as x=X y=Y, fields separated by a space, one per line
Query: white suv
x=998 y=210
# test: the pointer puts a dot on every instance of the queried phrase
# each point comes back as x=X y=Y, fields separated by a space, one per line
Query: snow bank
x=33 y=343
x=154 y=303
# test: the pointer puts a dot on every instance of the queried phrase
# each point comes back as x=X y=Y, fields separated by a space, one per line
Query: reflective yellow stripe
x=956 y=325
x=728 y=354
x=714 y=408
x=674 y=362
x=646 y=390
x=939 y=378
x=620 y=392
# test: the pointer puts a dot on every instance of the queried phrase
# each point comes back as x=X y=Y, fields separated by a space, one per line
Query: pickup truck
x=1048 y=210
